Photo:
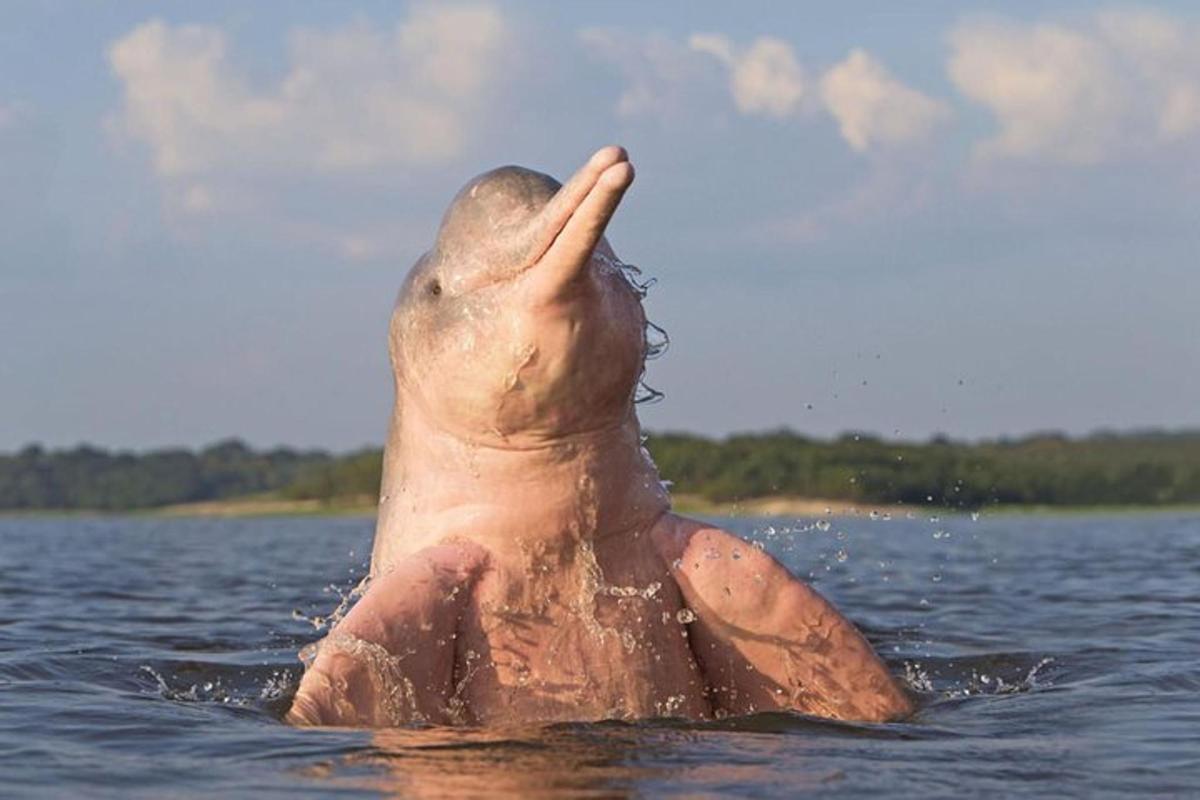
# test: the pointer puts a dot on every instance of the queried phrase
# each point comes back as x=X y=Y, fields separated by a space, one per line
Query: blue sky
x=972 y=219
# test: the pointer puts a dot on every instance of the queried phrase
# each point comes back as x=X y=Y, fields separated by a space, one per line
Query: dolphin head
x=519 y=325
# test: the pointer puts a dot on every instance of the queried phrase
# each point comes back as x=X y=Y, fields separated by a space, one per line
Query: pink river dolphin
x=527 y=566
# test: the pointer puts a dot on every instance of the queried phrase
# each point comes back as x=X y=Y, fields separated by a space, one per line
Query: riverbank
x=773 y=506
x=268 y=506
x=783 y=506
x=777 y=506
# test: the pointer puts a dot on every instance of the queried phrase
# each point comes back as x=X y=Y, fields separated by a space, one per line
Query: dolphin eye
x=434 y=288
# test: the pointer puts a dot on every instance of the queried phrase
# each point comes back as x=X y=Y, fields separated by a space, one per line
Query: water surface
x=1054 y=656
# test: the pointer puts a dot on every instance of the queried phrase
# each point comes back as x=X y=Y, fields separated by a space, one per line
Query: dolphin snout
x=574 y=220
x=607 y=156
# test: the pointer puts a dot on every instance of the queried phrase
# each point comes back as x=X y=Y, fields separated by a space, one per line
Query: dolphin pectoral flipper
x=766 y=640
x=390 y=661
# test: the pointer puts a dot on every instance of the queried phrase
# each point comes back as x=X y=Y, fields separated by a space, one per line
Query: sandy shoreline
x=685 y=504
x=774 y=506
x=269 y=507
x=784 y=506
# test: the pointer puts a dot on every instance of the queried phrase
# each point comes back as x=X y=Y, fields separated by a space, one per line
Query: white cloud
x=873 y=108
x=764 y=79
x=893 y=190
x=13 y=114
x=660 y=74
x=1165 y=56
x=668 y=78
x=1116 y=83
x=357 y=247
x=352 y=98
x=197 y=199
x=1054 y=91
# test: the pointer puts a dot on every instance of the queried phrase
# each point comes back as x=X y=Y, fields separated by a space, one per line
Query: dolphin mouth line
x=554 y=229
x=537 y=255
x=586 y=193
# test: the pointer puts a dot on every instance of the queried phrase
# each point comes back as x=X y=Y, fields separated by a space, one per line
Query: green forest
x=88 y=478
x=1104 y=469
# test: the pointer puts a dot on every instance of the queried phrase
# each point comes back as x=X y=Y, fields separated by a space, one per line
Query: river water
x=1054 y=656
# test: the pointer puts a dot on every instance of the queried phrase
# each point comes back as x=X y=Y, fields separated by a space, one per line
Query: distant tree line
x=90 y=478
x=1146 y=468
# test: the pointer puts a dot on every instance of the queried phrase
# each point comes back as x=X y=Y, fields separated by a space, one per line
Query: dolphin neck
x=436 y=484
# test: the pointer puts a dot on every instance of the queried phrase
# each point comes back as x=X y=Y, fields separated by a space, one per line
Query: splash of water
x=950 y=679
x=655 y=338
x=346 y=599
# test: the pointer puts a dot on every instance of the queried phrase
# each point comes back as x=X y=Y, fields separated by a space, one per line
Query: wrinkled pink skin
x=526 y=564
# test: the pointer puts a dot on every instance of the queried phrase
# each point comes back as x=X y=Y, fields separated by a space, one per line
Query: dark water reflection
x=1054 y=656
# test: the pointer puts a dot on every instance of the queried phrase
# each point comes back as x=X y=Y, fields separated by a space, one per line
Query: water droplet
x=685 y=616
